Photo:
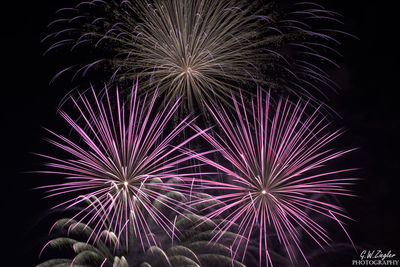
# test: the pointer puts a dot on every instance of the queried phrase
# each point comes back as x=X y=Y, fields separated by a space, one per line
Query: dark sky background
x=367 y=102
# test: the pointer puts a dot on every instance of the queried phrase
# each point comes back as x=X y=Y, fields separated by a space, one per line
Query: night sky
x=367 y=103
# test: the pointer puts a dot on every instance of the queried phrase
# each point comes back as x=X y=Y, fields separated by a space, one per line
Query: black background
x=367 y=103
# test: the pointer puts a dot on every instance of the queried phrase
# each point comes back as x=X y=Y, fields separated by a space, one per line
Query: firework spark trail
x=203 y=49
x=278 y=160
x=191 y=249
x=122 y=161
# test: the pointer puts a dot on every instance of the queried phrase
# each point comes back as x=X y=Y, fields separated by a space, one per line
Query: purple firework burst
x=121 y=166
x=278 y=157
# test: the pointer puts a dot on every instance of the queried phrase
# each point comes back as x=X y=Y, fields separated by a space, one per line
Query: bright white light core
x=264 y=192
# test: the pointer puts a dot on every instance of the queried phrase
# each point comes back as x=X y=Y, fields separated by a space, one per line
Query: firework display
x=190 y=248
x=123 y=161
x=220 y=154
x=201 y=50
x=278 y=159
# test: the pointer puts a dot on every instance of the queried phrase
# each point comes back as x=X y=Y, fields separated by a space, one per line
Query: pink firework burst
x=121 y=163
x=278 y=156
